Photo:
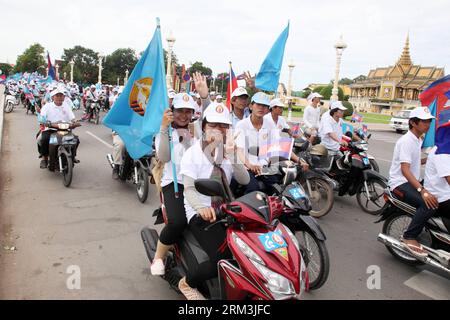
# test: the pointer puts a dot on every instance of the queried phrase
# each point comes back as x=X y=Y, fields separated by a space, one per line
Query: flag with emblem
x=138 y=112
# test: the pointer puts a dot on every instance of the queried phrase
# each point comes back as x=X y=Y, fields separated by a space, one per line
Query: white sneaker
x=157 y=268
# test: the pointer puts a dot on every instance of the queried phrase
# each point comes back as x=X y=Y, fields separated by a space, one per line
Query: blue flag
x=268 y=76
x=429 y=137
x=137 y=113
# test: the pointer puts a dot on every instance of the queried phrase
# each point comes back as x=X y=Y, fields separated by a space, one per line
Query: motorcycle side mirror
x=368 y=137
x=210 y=187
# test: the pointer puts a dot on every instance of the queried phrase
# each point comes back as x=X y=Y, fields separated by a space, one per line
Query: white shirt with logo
x=407 y=150
x=311 y=117
x=436 y=169
x=196 y=165
x=281 y=123
x=329 y=125
x=51 y=112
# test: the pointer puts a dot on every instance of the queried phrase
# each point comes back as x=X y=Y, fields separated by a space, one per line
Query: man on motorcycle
x=311 y=116
x=91 y=96
x=53 y=112
x=404 y=176
x=275 y=115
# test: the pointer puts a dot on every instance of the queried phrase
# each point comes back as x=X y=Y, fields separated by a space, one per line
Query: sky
x=241 y=31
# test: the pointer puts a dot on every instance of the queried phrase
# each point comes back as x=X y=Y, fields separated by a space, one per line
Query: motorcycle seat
x=192 y=249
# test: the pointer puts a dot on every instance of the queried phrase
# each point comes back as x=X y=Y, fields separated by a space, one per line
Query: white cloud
x=216 y=32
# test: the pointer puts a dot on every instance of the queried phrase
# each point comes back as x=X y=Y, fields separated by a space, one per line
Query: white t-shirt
x=436 y=169
x=311 y=117
x=196 y=165
x=250 y=137
x=178 y=152
x=51 y=112
x=407 y=150
x=329 y=125
x=281 y=123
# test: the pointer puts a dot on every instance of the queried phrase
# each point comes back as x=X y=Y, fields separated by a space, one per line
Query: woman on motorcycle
x=210 y=157
x=179 y=117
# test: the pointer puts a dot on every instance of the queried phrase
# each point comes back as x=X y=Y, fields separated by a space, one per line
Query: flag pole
x=172 y=156
x=230 y=84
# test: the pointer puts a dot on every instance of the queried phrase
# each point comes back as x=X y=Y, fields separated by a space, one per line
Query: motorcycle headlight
x=280 y=287
x=249 y=253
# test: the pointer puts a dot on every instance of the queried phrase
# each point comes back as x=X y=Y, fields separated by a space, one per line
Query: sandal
x=188 y=292
x=413 y=249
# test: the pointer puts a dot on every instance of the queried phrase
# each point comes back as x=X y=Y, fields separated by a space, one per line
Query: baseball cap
x=183 y=100
x=261 y=98
x=337 y=104
x=423 y=113
x=219 y=97
x=217 y=113
x=93 y=86
x=171 y=95
x=240 y=91
x=276 y=103
x=314 y=95
x=58 y=90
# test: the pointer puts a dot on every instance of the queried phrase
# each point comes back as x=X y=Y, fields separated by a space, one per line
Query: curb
x=2 y=89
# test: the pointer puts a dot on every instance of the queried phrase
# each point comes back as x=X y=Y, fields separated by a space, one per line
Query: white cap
x=314 y=95
x=212 y=93
x=219 y=97
x=217 y=113
x=183 y=100
x=240 y=91
x=337 y=104
x=276 y=103
x=423 y=113
x=58 y=90
x=93 y=86
x=171 y=95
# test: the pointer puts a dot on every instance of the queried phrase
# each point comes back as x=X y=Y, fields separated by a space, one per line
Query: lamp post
x=118 y=80
x=291 y=67
x=57 y=72
x=72 y=63
x=126 y=77
x=340 y=46
x=170 y=41
x=64 y=75
x=100 y=68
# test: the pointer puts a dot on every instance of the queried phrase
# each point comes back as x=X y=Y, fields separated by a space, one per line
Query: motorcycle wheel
x=375 y=204
x=67 y=169
x=318 y=265
x=374 y=165
x=395 y=226
x=321 y=197
x=9 y=107
x=142 y=185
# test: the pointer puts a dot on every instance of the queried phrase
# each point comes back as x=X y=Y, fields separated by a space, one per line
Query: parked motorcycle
x=267 y=258
x=11 y=100
x=63 y=144
x=135 y=171
x=435 y=238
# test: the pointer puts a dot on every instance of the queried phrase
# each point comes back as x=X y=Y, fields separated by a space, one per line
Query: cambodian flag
x=295 y=127
x=281 y=148
x=365 y=129
x=232 y=85
x=51 y=69
x=357 y=117
x=437 y=91
x=443 y=139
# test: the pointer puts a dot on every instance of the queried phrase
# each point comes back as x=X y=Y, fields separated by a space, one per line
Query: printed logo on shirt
x=140 y=94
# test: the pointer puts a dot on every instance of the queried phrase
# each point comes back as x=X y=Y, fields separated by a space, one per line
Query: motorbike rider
x=404 y=176
x=54 y=112
x=311 y=116
x=209 y=157
x=179 y=116
x=91 y=96
x=275 y=115
x=239 y=105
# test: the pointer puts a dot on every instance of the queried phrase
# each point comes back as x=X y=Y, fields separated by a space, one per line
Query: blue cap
x=261 y=98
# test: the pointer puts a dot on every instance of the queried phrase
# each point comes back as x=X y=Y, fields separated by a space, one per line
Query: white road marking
x=431 y=285
x=101 y=140
x=379 y=159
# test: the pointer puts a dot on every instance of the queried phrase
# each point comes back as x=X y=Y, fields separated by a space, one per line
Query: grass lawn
x=367 y=117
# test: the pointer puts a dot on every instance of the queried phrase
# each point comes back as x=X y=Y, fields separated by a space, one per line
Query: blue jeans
x=419 y=220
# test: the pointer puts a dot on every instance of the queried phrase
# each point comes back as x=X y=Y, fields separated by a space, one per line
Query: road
x=95 y=225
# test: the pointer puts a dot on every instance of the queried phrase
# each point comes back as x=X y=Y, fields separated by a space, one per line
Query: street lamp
x=291 y=67
x=170 y=41
x=57 y=72
x=340 y=46
x=118 y=80
x=65 y=74
x=72 y=63
x=100 y=68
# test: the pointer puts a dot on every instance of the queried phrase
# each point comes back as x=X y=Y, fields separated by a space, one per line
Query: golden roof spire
x=405 y=59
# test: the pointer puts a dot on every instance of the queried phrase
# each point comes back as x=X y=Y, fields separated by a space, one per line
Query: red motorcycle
x=267 y=259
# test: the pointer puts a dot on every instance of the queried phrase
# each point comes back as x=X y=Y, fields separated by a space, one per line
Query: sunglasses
x=221 y=125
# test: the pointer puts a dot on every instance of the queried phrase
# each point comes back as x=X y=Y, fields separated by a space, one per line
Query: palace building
x=390 y=89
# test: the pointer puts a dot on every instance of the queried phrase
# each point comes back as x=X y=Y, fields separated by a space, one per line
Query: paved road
x=95 y=225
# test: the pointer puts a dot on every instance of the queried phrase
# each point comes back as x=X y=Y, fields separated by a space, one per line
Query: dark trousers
x=45 y=142
x=176 y=215
x=412 y=197
x=213 y=242
x=253 y=185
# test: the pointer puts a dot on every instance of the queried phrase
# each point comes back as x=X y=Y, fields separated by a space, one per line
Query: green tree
x=198 y=66
x=31 y=60
x=327 y=91
x=349 y=106
x=345 y=81
x=117 y=63
x=85 y=69
x=306 y=93
x=6 y=69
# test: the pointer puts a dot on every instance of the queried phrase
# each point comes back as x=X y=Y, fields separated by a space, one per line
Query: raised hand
x=249 y=80
x=200 y=84
x=167 y=119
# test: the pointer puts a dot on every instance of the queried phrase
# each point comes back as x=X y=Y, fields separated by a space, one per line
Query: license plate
x=272 y=241
x=297 y=193
x=366 y=161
